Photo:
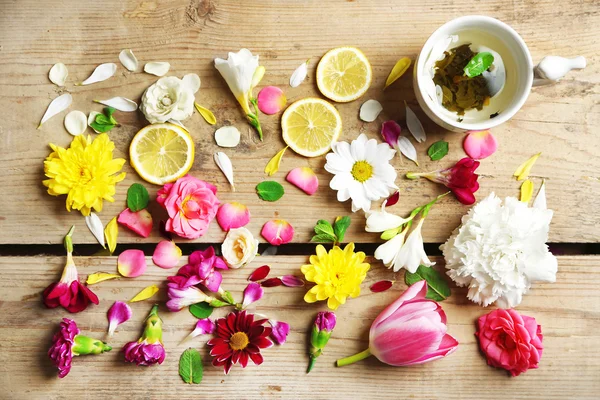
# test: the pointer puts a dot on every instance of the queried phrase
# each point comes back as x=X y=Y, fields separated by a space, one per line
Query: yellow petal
x=523 y=171
x=111 y=232
x=99 y=277
x=273 y=164
x=145 y=294
x=399 y=69
x=526 y=191
x=206 y=114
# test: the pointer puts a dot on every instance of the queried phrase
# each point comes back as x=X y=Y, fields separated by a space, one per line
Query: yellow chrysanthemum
x=85 y=172
x=337 y=275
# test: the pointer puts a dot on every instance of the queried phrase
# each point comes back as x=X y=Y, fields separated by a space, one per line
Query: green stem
x=69 y=241
x=87 y=345
x=311 y=363
x=352 y=359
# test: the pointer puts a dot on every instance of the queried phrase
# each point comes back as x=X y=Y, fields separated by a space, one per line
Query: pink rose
x=510 y=340
x=191 y=204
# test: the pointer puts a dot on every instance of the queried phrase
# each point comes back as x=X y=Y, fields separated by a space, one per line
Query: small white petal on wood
x=95 y=226
x=369 y=111
x=119 y=103
x=101 y=73
x=58 y=74
x=299 y=74
x=407 y=149
x=157 y=68
x=56 y=106
x=128 y=60
x=224 y=163
x=414 y=125
x=75 y=122
x=227 y=136
x=540 y=199
x=192 y=82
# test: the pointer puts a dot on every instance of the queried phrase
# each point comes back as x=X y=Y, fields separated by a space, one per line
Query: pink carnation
x=191 y=204
x=60 y=352
x=144 y=353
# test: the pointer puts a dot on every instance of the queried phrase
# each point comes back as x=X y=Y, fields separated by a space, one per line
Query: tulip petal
x=131 y=263
x=390 y=130
x=259 y=273
x=272 y=282
x=145 y=293
x=304 y=178
x=203 y=327
x=233 y=215
x=252 y=293
x=291 y=281
x=447 y=346
x=381 y=286
x=480 y=144
x=271 y=100
x=139 y=222
x=416 y=291
x=118 y=313
x=278 y=232
x=166 y=254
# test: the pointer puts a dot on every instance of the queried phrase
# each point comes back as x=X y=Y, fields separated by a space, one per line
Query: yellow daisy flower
x=85 y=172
x=337 y=275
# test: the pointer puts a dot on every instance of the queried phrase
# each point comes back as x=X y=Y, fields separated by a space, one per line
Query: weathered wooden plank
x=568 y=310
x=558 y=120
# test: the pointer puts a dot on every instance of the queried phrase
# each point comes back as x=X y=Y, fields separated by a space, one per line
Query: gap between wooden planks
x=568 y=310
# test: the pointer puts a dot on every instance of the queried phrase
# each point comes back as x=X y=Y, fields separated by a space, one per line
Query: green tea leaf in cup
x=478 y=64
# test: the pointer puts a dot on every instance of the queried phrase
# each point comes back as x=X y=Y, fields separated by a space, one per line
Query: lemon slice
x=161 y=153
x=344 y=74
x=309 y=126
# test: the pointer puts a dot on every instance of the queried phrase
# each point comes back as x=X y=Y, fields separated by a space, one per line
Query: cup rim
x=506 y=114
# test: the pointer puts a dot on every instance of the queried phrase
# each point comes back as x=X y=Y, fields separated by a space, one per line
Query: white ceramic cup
x=501 y=38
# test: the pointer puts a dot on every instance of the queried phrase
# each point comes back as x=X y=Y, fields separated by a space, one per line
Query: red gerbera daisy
x=239 y=338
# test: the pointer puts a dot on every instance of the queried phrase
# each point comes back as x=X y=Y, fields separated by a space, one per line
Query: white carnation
x=499 y=250
x=169 y=98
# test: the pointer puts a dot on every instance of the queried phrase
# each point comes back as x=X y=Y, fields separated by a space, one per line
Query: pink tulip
x=412 y=330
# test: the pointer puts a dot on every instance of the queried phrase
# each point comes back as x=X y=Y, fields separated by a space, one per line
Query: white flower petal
x=128 y=60
x=387 y=252
x=407 y=149
x=158 y=68
x=75 y=122
x=56 y=106
x=191 y=82
x=369 y=111
x=299 y=74
x=224 y=163
x=119 y=103
x=227 y=136
x=95 y=226
x=92 y=118
x=540 y=199
x=58 y=74
x=101 y=73
x=414 y=125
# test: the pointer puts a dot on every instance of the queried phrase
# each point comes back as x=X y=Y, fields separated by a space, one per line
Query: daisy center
x=238 y=341
x=362 y=171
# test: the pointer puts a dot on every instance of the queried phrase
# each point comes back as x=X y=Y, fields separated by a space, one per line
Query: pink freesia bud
x=480 y=144
x=118 y=313
x=131 y=263
x=271 y=100
x=252 y=293
x=166 y=254
x=203 y=327
x=278 y=232
x=510 y=340
x=280 y=331
x=259 y=273
x=412 y=330
x=291 y=281
x=390 y=130
x=304 y=178
x=461 y=179
x=148 y=349
x=140 y=222
x=233 y=215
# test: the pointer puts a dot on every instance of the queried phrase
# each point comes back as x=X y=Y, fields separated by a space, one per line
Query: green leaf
x=478 y=64
x=323 y=238
x=437 y=288
x=190 y=366
x=340 y=226
x=201 y=310
x=324 y=227
x=438 y=150
x=137 y=197
x=269 y=190
x=103 y=119
x=102 y=128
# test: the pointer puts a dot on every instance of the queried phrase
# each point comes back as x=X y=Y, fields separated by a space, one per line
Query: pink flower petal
x=393 y=199
x=272 y=282
x=252 y=293
x=303 y=178
x=203 y=327
x=271 y=100
x=118 y=313
x=233 y=215
x=277 y=232
x=381 y=286
x=140 y=222
x=131 y=263
x=166 y=255
x=480 y=144
x=259 y=273
x=280 y=331
x=390 y=130
x=291 y=281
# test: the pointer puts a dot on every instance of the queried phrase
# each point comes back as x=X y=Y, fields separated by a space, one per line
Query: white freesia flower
x=362 y=171
x=169 y=98
x=499 y=250
x=388 y=251
x=412 y=253
x=239 y=247
x=381 y=221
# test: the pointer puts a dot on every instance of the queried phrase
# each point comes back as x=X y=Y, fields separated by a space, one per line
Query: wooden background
x=560 y=121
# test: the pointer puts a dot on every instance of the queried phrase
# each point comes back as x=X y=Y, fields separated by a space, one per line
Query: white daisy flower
x=362 y=171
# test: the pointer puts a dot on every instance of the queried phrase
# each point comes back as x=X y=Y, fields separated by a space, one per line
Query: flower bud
x=321 y=331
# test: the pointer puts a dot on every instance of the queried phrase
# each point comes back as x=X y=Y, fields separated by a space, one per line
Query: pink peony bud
x=412 y=330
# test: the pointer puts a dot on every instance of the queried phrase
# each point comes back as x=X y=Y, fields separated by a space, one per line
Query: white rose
x=168 y=98
x=239 y=247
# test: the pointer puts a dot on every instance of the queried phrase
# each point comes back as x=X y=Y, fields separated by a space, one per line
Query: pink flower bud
x=325 y=321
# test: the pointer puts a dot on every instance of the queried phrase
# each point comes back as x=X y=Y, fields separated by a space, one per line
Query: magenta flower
x=148 y=349
x=203 y=327
x=320 y=334
x=67 y=342
x=184 y=297
x=280 y=331
x=412 y=330
x=200 y=270
x=252 y=293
